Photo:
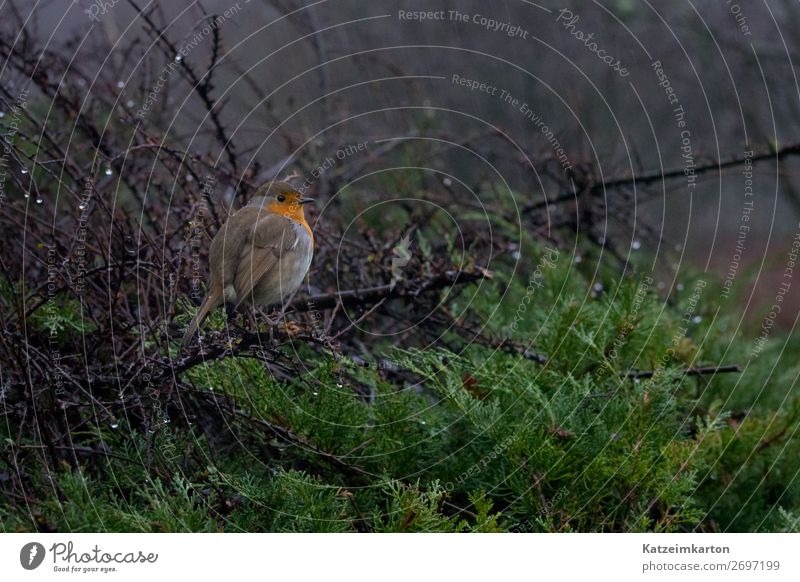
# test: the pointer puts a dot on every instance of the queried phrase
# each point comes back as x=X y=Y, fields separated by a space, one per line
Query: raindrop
x=636 y=245
x=39 y=200
x=129 y=103
x=661 y=285
x=598 y=286
x=115 y=425
x=315 y=393
x=82 y=205
x=339 y=385
x=578 y=258
x=679 y=286
x=2 y=114
x=108 y=171
x=678 y=247
x=178 y=58
x=81 y=82
x=24 y=170
x=697 y=319
x=516 y=255
x=120 y=84
x=422 y=422
x=447 y=182
x=189 y=177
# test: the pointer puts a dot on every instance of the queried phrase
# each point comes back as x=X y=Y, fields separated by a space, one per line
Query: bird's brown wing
x=226 y=248
x=272 y=236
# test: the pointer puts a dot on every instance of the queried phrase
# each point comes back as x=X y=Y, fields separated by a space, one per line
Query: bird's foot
x=268 y=322
x=275 y=323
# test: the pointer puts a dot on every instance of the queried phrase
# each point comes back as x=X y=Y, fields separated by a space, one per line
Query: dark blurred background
x=731 y=67
x=293 y=83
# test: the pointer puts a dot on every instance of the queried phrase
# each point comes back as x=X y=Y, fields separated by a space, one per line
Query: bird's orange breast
x=292 y=212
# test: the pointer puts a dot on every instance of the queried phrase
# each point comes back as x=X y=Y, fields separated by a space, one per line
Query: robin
x=260 y=255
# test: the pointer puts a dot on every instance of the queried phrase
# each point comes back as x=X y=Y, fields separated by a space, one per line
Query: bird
x=260 y=255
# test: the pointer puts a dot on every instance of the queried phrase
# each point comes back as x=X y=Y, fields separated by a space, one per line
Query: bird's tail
x=209 y=303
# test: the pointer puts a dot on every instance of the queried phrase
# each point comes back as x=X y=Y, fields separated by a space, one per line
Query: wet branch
x=370 y=295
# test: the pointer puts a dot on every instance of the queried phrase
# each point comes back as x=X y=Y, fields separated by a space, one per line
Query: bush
x=480 y=438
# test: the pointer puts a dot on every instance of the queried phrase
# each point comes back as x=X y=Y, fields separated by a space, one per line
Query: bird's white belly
x=289 y=272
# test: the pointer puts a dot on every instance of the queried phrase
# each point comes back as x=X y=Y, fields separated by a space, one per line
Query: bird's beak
x=306 y=200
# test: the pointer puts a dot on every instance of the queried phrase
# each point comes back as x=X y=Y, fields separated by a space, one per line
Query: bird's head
x=281 y=198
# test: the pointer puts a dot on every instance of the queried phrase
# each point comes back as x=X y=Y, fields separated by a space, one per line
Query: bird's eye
x=281 y=198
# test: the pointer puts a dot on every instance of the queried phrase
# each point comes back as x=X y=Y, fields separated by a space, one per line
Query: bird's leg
x=251 y=316
x=286 y=304
x=290 y=328
x=230 y=310
x=259 y=311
